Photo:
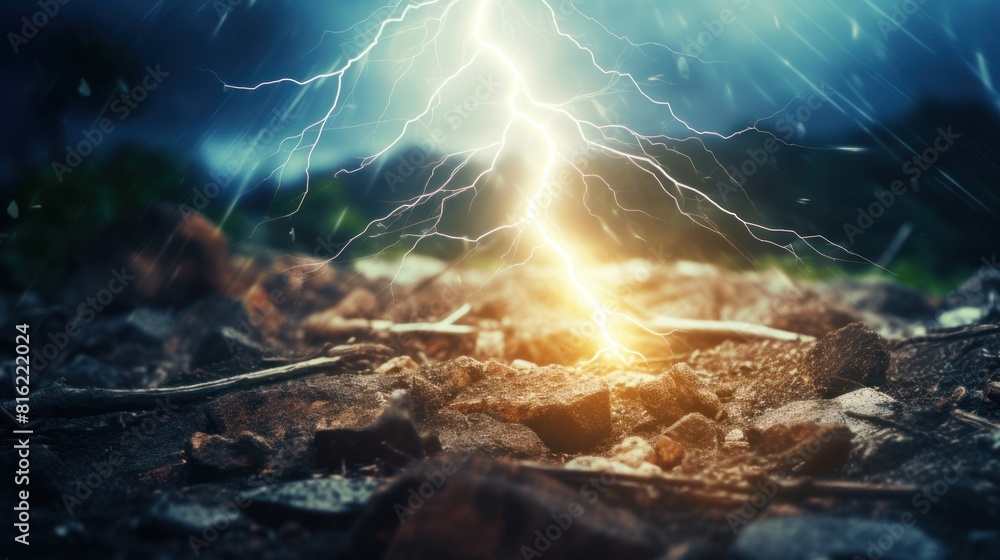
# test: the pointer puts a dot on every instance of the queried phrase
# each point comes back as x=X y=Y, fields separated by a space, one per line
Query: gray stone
x=310 y=500
x=172 y=514
x=816 y=537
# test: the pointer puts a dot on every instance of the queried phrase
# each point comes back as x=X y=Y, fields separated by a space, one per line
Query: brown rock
x=666 y=454
x=632 y=451
x=333 y=401
x=813 y=315
x=392 y=440
x=484 y=435
x=168 y=258
x=847 y=359
x=212 y=456
x=397 y=365
x=676 y=393
x=993 y=391
x=696 y=431
x=359 y=304
x=570 y=412
x=455 y=375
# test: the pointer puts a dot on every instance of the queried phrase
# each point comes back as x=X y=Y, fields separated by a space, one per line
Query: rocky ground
x=455 y=414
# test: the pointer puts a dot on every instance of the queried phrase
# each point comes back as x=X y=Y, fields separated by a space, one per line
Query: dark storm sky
x=773 y=50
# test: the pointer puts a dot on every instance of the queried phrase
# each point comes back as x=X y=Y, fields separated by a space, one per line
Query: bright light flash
x=559 y=121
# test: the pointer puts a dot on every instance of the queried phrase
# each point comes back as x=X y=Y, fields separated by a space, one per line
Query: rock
x=166 y=258
x=523 y=365
x=676 y=393
x=149 y=327
x=213 y=456
x=868 y=402
x=873 y=446
x=175 y=515
x=570 y=411
x=399 y=364
x=311 y=501
x=454 y=375
x=813 y=537
x=392 y=440
x=433 y=509
x=603 y=464
x=358 y=304
x=632 y=451
x=881 y=449
x=850 y=358
x=736 y=441
x=332 y=401
x=818 y=411
x=484 y=435
x=695 y=431
x=666 y=454
x=844 y=410
x=993 y=391
x=812 y=316
x=224 y=344
x=808 y=448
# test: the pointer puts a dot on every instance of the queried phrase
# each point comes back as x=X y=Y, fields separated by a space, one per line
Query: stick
x=980 y=330
x=787 y=489
x=63 y=401
x=732 y=329
x=975 y=420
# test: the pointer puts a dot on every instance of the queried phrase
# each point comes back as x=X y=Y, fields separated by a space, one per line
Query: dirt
x=493 y=431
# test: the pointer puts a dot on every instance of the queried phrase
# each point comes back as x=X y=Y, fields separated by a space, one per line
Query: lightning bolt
x=558 y=124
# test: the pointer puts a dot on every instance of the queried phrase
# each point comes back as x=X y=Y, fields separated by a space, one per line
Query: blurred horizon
x=876 y=82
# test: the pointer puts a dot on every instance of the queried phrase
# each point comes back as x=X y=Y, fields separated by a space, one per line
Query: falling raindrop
x=84 y=88
x=683 y=68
